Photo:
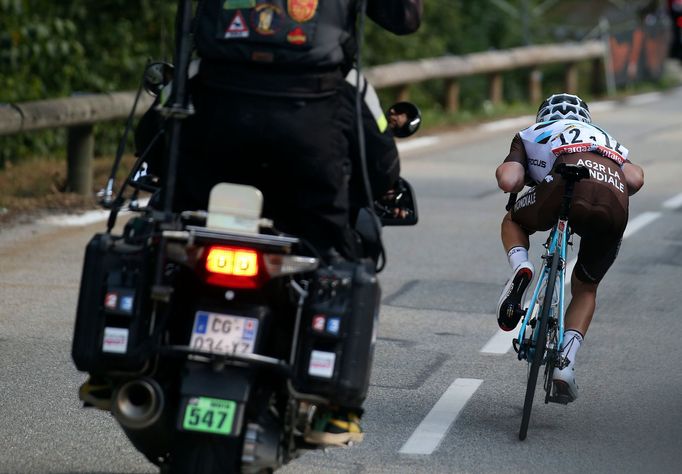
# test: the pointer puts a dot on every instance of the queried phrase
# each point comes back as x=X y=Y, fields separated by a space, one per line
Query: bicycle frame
x=558 y=241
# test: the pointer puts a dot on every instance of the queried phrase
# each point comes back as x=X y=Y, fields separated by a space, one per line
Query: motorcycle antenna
x=178 y=107
x=359 y=85
x=107 y=193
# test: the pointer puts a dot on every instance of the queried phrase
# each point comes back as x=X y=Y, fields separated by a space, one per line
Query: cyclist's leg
x=534 y=210
x=600 y=218
x=581 y=308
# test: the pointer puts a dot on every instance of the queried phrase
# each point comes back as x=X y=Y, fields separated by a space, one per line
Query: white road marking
x=87 y=218
x=674 y=202
x=640 y=222
x=75 y=220
x=643 y=99
x=569 y=270
x=417 y=143
x=500 y=343
x=603 y=106
x=430 y=432
x=504 y=124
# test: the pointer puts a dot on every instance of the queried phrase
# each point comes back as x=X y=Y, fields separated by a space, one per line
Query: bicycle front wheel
x=540 y=347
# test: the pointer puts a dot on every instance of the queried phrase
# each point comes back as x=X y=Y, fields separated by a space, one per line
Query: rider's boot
x=338 y=427
x=509 y=309
x=563 y=379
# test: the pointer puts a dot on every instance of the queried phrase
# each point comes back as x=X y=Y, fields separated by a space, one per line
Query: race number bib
x=579 y=137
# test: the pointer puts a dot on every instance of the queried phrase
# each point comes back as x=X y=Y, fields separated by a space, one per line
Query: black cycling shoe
x=509 y=309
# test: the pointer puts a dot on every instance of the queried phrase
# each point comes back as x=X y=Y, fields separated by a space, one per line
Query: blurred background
x=51 y=49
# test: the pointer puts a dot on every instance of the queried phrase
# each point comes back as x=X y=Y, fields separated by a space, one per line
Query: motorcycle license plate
x=209 y=415
x=223 y=333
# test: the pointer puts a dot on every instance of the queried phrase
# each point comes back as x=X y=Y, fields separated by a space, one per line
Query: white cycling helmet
x=563 y=106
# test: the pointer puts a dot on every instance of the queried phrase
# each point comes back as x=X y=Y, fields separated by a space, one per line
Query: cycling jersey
x=599 y=212
x=538 y=146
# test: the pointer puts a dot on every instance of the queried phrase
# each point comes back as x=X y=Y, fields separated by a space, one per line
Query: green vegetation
x=54 y=49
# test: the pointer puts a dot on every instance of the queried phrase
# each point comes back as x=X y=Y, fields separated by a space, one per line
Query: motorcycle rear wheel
x=204 y=455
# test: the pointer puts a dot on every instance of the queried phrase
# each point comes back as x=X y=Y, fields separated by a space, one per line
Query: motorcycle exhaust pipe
x=138 y=404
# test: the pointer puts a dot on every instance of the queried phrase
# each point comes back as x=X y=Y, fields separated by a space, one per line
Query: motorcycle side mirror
x=157 y=75
x=404 y=119
x=399 y=206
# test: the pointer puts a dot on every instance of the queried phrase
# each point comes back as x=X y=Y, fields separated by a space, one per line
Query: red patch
x=319 y=322
x=301 y=10
x=111 y=300
x=297 y=36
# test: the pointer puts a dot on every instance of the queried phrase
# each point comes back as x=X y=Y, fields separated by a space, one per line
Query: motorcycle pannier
x=338 y=333
x=112 y=320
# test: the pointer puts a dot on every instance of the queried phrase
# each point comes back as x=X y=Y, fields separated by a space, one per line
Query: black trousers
x=295 y=151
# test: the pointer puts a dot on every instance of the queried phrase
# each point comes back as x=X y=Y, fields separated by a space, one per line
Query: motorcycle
x=212 y=338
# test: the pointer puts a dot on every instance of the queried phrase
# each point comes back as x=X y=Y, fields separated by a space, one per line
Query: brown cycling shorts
x=599 y=212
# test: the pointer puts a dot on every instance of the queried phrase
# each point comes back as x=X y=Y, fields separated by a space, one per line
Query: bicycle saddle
x=572 y=172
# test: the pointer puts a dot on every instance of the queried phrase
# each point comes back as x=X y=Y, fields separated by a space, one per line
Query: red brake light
x=234 y=267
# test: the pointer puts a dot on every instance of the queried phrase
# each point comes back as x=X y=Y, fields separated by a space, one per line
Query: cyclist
x=564 y=133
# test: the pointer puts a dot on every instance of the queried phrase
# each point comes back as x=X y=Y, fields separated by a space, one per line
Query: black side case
x=111 y=333
x=337 y=336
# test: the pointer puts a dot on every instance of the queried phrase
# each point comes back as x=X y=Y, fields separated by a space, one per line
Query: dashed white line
x=643 y=99
x=569 y=269
x=500 y=343
x=674 y=202
x=504 y=124
x=431 y=431
x=640 y=222
x=417 y=143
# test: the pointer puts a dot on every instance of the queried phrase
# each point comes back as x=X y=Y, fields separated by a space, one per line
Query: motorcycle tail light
x=280 y=265
x=234 y=267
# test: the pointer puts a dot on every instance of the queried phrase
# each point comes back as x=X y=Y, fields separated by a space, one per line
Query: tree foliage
x=55 y=48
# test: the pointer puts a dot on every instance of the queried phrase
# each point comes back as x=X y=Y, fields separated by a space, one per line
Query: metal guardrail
x=80 y=113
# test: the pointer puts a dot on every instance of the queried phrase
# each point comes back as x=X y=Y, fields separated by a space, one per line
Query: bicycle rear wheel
x=540 y=347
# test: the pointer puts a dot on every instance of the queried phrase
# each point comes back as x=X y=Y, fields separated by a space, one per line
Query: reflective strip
x=371 y=99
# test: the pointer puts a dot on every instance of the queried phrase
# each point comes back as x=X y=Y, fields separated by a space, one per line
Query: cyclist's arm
x=634 y=177
x=401 y=17
x=511 y=175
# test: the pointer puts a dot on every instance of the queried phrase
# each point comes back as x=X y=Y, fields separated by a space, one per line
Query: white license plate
x=223 y=333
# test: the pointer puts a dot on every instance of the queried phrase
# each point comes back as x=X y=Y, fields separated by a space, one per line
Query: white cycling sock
x=570 y=345
x=517 y=256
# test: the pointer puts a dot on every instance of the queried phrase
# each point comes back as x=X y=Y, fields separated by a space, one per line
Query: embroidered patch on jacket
x=266 y=19
x=297 y=36
x=237 y=4
x=237 y=28
x=302 y=10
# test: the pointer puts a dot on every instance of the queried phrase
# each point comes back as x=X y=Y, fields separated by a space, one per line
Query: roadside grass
x=34 y=187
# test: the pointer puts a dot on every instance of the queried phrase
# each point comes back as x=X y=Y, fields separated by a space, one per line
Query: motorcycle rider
x=564 y=133
x=273 y=110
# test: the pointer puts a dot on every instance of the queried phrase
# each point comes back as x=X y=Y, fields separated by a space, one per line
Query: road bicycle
x=542 y=327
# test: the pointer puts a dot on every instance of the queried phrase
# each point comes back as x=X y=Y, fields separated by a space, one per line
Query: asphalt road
x=439 y=292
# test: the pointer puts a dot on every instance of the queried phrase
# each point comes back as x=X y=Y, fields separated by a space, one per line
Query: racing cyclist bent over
x=564 y=133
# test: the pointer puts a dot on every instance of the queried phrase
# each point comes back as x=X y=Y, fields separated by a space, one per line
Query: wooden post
x=598 y=85
x=80 y=151
x=403 y=94
x=535 y=86
x=452 y=96
x=496 y=83
x=571 y=78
